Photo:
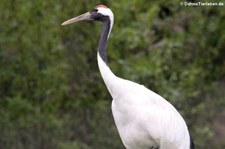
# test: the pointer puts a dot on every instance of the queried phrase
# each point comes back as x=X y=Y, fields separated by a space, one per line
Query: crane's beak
x=83 y=17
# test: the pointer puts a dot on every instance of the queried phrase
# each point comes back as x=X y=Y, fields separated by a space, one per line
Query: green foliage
x=52 y=95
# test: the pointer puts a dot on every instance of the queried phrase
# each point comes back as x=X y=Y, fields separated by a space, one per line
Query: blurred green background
x=52 y=95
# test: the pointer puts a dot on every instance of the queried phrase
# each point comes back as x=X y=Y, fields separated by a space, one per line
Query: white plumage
x=144 y=119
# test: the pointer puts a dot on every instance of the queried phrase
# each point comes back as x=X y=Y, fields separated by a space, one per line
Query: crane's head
x=99 y=13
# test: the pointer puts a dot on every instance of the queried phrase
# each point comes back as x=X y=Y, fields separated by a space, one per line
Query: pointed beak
x=84 y=17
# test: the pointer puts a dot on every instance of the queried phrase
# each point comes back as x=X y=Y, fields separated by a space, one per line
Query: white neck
x=108 y=76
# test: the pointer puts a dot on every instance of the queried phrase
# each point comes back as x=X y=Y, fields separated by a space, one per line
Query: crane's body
x=144 y=119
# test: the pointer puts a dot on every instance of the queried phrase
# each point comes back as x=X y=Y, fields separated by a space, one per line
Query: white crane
x=143 y=118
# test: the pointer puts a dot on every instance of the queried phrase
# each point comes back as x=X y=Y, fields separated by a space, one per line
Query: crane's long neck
x=107 y=75
x=103 y=41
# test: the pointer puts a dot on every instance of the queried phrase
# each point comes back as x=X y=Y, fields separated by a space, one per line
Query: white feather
x=143 y=118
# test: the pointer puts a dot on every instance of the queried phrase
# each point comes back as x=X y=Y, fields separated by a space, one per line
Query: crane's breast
x=144 y=119
x=132 y=133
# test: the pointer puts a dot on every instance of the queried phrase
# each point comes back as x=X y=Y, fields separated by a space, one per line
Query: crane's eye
x=96 y=10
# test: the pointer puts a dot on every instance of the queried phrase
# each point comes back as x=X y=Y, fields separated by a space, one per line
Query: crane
x=144 y=119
